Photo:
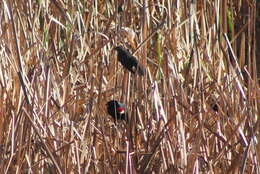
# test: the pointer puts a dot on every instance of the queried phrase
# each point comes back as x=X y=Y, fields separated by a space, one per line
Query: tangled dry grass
x=195 y=111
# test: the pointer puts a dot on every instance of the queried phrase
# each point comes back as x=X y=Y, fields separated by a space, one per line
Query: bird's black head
x=112 y=103
x=119 y=48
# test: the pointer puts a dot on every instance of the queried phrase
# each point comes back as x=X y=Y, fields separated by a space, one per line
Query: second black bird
x=117 y=110
x=129 y=61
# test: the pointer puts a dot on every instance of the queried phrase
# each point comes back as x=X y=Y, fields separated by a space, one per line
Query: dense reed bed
x=196 y=110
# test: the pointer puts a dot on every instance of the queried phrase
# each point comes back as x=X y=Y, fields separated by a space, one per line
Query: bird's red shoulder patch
x=121 y=110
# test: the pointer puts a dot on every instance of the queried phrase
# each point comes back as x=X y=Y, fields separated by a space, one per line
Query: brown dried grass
x=58 y=71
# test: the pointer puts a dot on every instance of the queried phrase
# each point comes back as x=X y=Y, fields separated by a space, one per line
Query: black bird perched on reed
x=117 y=110
x=129 y=61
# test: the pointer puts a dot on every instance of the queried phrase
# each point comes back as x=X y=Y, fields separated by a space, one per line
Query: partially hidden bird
x=117 y=110
x=129 y=61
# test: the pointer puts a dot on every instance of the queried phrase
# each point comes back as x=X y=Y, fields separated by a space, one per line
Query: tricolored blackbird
x=129 y=61
x=117 y=110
